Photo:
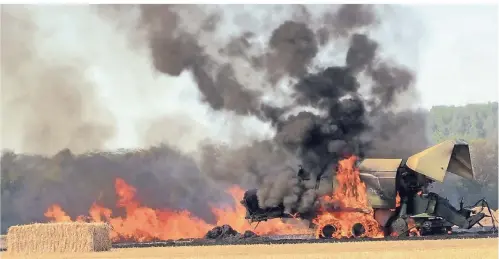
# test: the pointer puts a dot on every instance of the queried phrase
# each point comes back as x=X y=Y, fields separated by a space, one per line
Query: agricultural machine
x=397 y=192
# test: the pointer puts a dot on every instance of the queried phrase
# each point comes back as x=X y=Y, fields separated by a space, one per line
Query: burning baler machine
x=409 y=178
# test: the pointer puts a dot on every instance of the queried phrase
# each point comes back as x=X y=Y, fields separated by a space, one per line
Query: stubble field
x=456 y=249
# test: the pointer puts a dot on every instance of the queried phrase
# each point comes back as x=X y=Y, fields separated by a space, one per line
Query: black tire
x=328 y=231
x=400 y=227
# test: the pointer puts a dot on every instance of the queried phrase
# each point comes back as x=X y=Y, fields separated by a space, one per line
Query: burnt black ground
x=274 y=240
x=227 y=232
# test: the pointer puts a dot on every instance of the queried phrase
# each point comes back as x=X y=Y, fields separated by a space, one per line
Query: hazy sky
x=458 y=57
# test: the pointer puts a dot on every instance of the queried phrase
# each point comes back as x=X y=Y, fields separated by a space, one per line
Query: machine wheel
x=399 y=227
x=328 y=231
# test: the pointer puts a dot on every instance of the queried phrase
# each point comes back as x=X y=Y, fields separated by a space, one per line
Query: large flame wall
x=142 y=223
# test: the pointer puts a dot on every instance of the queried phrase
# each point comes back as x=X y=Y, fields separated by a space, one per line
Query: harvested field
x=457 y=249
x=58 y=237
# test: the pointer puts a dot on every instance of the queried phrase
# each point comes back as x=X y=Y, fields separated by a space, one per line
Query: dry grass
x=58 y=237
x=434 y=249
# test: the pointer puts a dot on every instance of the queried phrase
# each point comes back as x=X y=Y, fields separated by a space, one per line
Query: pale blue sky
x=458 y=61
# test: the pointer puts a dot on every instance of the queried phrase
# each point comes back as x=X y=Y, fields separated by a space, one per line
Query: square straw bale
x=61 y=237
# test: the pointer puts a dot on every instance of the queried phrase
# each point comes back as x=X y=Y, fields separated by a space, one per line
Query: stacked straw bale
x=58 y=237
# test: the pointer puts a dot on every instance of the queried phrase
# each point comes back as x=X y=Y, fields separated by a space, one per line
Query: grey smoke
x=293 y=46
x=54 y=103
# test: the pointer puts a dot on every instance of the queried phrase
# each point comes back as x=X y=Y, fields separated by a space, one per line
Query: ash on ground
x=227 y=232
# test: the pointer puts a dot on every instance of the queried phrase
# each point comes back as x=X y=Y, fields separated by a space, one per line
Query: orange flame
x=147 y=224
x=350 y=194
x=56 y=212
x=397 y=202
x=142 y=223
x=413 y=230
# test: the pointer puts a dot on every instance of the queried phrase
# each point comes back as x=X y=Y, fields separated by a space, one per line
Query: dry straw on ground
x=485 y=248
x=58 y=237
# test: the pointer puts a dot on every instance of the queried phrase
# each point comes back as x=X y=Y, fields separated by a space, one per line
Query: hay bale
x=3 y=241
x=61 y=237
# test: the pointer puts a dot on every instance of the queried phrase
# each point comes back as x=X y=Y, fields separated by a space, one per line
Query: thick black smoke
x=346 y=121
x=319 y=141
x=182 y=38
x=324 y=139
x=293 y=46
x=175 y=51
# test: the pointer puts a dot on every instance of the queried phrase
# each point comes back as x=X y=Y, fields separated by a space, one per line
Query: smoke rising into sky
x=122 y=98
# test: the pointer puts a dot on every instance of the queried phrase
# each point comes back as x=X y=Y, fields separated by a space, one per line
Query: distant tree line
x=469 y=122
x=477 y=124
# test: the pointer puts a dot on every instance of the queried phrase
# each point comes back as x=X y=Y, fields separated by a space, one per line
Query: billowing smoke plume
x=234 y=95
x=344 y=129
